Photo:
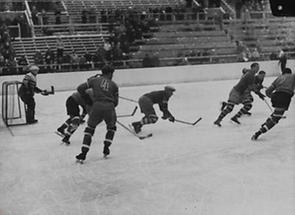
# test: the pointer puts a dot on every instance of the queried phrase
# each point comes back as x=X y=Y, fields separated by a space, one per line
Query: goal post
x=13 y=109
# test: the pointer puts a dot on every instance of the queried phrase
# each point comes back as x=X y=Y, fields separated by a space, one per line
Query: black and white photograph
x=147 y=107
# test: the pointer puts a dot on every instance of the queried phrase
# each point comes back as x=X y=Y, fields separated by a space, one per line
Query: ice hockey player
x=146 y=103
x=280 y=91
x=240 y=95
x=256 y=88
x=27 y=91
x=105 y=99
x=73 y=104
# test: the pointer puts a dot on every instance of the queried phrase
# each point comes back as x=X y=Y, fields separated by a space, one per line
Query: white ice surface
x=181 y=170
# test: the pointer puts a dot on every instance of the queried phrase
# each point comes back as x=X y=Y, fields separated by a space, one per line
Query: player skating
x=146 y=103
x=240 y=94
x=105 y=99
x=27 y=91
x=280 y=91
x=73 y=111
x=256 y=88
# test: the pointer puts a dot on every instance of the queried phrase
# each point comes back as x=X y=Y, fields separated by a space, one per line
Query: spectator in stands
x=273 y=56
x=155 y=61
x=38 y=60
x=49 y=59
x=74 y=60
x=59 y=53
x=92 y=15
x=44 y=17
x=22 y=63
x=255 y=55
x=146 y=61
x=84 y=15
x=34 y=13
x=57 y=13
x=107 y=50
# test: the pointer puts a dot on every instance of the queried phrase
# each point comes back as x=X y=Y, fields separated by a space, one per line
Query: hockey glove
x=165 y=116
x=171 y=119
x=44 y=93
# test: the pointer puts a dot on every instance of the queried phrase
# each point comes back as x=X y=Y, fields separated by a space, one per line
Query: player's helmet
x=107 y=69
x=169 y=88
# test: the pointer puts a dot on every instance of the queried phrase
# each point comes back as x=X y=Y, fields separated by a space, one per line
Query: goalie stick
x=189 y=123
x=141 y=137
x=128 y=115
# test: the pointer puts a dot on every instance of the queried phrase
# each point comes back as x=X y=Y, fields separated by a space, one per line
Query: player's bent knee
x=153 y=118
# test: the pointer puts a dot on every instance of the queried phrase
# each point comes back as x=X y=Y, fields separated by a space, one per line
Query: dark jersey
x=104 y=89
x=283 y=83
x=246 y=81
x=159 y=97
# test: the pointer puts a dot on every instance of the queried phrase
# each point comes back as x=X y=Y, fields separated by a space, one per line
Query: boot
x=66 y=140
x=106 y=150
x=256 y=135
x=235 y=119
x=81 y=157
x=217 y=122
x=137 y=127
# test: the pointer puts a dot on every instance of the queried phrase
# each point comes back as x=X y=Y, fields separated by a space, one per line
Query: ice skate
x=66 y=140
x=81 y=158
x=235 y=119
x=60 y=132
x=256 y=135
x=217 y=122
x=106 y=150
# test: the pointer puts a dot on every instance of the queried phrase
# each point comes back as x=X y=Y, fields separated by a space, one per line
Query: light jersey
x=30 y=80
x=104 y=89
x=246 y=82
x=283 y=83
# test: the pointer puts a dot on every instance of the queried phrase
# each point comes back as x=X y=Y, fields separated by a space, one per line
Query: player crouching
x=146 y=103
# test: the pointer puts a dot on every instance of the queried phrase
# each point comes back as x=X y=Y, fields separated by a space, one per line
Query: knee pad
x=89 y=131
x=75 y=121
x=229 y=107
x=152 y=118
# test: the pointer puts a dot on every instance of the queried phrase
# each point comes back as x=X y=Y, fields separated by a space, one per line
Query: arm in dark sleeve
x=82 y=90
x=164 y=108
x=116 y=96
x=37 y=90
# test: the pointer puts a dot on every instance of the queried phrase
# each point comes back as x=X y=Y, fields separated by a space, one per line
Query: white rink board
x=201 y=170
x=160 y=75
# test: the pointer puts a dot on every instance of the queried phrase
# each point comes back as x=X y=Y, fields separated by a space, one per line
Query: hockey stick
x=128 y=115
x=189 y=123
x=135 y=134
x=271 y=110
x=127 y=99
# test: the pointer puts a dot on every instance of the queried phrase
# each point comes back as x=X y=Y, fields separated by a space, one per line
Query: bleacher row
x=169 y=40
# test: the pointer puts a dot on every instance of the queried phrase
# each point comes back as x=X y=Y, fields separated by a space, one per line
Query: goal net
x=13 y=109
